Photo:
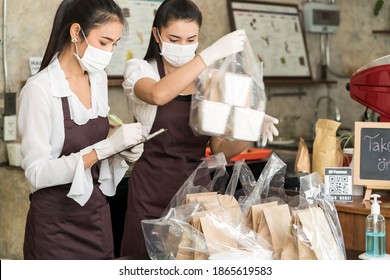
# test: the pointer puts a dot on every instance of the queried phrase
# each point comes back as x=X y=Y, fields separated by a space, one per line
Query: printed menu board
x=275 y=33
x=140 y=16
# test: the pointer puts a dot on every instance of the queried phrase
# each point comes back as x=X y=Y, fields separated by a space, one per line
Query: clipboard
x=147 y=138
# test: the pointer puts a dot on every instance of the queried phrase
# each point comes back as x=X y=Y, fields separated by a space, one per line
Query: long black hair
x=171 y=10
x=88 y=13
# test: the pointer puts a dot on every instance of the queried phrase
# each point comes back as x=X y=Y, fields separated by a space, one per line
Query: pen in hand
x=116 y=120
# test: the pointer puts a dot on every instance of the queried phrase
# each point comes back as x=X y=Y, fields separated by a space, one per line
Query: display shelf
x=384 y=31
x=115 y=81
x=289 y=82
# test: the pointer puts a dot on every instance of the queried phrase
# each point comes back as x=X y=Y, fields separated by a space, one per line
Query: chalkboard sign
x=372 y=154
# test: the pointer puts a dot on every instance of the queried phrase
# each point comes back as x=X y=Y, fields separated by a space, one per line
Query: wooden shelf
x=381 y=31
x=116 y=81
x=297 y=81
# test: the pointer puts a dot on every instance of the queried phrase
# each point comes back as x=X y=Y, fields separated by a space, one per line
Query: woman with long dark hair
x=160 y=88
x=68 y=157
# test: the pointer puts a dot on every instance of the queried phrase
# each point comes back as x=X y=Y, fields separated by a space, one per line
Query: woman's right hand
x=124 y=136
x=227 y=45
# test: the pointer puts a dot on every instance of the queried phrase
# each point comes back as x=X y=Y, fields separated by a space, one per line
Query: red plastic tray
x=248 y=154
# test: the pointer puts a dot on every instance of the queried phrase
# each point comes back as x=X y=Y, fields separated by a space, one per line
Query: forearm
x=229 y=148
x=174 y=83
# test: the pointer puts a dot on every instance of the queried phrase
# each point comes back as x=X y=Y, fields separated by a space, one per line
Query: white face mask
x=94 y=59
x=177 y=55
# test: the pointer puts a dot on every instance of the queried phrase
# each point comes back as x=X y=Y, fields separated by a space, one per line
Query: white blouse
x=41 y=127
x=135 y=70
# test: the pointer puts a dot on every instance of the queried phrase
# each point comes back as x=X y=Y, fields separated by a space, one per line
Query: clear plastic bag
x=205 y=221
x=230 y=101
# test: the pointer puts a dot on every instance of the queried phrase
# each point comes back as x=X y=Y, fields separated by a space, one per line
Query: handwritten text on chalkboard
x=375 y=153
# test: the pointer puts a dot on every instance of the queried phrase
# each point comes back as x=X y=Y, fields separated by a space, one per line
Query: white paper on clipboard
x=148 y=137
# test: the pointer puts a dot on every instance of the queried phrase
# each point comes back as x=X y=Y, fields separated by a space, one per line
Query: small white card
x=338 y=183
x=35 y=63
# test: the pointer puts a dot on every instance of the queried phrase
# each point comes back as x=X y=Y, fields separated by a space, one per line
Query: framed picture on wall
x=275 y=33
x=139 y=15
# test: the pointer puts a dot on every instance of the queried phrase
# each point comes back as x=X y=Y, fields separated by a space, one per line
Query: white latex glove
x=227 y=45
x=123 y=136
x=268 y=129
x=134 y=154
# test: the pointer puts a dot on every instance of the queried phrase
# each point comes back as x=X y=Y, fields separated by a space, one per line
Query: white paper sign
x=35 y=64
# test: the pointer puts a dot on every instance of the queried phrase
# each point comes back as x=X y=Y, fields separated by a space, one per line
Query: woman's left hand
x=268 y=129
x=134 y=154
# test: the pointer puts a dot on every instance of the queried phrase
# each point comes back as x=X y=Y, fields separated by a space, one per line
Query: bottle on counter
x=375 y=231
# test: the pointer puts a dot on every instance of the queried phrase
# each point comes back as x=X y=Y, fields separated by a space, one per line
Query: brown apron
x=57 y=227
x=167 y=161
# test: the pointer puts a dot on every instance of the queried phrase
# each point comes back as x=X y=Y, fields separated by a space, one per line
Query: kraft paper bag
x=253 y=215
x=315 y=237
x=302 y=160
x=304 y=246
x=230 y=203
x=196 y=223
x=273 y=227
x=323 y=243
x=217 y=240
x=325 y=146
x=185 y=248
x=207 y=198
x=290 y=246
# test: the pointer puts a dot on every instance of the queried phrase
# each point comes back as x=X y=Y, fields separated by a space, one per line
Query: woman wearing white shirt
x=160 y=87
x=67 y=157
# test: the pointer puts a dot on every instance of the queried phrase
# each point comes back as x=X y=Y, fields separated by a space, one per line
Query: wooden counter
x=352 y=217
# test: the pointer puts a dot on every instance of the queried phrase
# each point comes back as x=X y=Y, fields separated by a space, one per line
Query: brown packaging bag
x=196 y=223
x=216 y=239
x=302 y=160
x=254 y=213
x=185 y=249
x=274 y=223
x=325 y=146
x=230 y=203
x=290 y=246
x=206 y=198
x=313 y=237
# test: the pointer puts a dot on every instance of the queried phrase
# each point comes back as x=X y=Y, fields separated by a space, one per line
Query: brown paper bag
x=325 y=146
x=196 y=223
x=254 y=213
x=315 y=239
x=290 y=246
x=185 y=249
x=304 y=246
x=302 y=160
x=273 y=227
x=217 y=240
x=209 y=200
x=231 y=204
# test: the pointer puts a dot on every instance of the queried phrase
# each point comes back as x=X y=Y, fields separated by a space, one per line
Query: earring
x=74 y=40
